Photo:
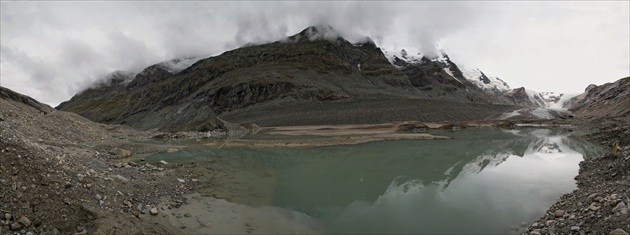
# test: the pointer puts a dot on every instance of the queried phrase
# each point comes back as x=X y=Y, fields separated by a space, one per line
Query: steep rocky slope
x=59 y=174
x=608 y=100
x=605 y=110
x=8 y=94
x=314 y=70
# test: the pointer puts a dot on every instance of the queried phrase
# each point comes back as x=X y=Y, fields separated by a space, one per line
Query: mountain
x=8 y=94
x=464 y=77
x=489 y=83
x=524 y=97
x=313 y=77
x=607 y=100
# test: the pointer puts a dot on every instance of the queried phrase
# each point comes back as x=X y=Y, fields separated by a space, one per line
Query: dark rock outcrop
x=521 y=97
x=608 y=100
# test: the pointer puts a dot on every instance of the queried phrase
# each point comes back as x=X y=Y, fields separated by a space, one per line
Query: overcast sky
x=51 y=50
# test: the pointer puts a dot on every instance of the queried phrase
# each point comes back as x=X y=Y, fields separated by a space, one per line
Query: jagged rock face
x=429 y=73
x=521 y=97
x=484 y=79
x=608 y=100
x=313 y=66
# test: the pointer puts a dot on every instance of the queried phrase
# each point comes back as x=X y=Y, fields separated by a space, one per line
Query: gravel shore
x=600 y=203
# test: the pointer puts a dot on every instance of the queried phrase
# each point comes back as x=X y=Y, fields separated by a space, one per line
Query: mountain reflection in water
x=482 y=181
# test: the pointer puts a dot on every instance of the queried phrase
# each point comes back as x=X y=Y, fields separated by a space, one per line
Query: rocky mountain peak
x=316 y=32
x=590 y=87
x=313 y=67
x=483 y=78
x=119 y=77
x=366 y=42
x=527 y=98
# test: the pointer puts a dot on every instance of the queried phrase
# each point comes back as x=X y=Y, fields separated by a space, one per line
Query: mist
x=52 y=50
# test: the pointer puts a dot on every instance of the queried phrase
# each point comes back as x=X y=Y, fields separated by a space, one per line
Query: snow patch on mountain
x=483 y=81
x=542 y=113
x=556 y=100
x=414 y=57
x=449 y=72
x=404 y=55
x=536 y=97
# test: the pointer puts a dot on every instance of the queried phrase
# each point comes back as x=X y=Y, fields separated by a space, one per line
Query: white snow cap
x=482 y=80
x=410 y=57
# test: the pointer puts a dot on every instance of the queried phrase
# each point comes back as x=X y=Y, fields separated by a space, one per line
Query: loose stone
x=594 y=206
x=592 y=196
x=25 y=221
x=121 y=179
x=16 y=226
x=618 y=231
x=550 y=222
x=558 y=213
x=80 y=177
x=621 y=208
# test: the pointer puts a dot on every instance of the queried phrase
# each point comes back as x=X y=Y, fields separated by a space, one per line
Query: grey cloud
x=78 y=54
x=132 y=52
x=62 y=47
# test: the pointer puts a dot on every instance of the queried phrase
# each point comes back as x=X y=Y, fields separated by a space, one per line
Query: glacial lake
x=483 y=181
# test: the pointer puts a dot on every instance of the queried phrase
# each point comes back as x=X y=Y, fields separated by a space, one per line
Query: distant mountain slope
x=480 y=79
x=8 y=94
x=462 y=77
x=607 y=100
x=315 y=70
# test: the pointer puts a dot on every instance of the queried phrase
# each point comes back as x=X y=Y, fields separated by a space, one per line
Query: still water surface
x=482 y=181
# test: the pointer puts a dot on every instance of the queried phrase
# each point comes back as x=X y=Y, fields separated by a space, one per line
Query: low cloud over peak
x=51 y=50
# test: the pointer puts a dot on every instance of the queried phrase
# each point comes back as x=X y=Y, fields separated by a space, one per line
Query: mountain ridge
x=313 y=67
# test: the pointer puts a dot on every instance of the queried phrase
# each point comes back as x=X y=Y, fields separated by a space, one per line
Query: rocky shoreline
x=600 y=203
x=62 y=174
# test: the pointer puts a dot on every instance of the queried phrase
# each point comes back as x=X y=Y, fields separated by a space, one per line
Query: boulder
x=25 y=221
x=618 y=232
x=621 y=208
x=558 y=213
x=120 y=178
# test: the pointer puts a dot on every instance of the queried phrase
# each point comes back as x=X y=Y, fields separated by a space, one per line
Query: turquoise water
x=482 y=181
